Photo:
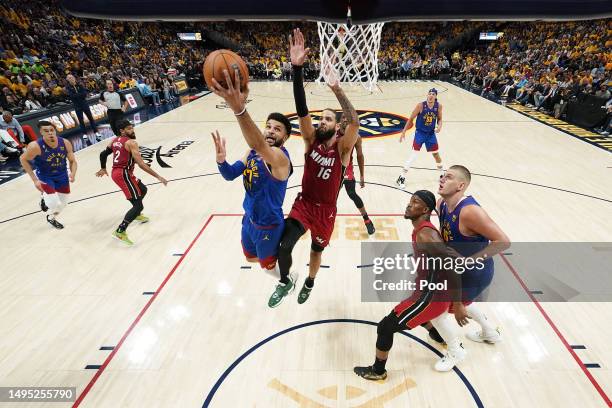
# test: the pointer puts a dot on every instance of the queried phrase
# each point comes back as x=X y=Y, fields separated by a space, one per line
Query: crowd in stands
x=541 y=64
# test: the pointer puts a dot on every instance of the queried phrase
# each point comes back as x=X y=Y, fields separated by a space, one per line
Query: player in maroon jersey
x=124 y=149
x=325 y=160
x=424 y=304
x=349 y=179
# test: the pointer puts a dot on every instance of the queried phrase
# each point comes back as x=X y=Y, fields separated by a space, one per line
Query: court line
x=244 y=355
x=135 y=322
x=558 y=333
x=367 y=182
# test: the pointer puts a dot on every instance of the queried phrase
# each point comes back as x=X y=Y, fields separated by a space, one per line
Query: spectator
x=9 y=122
x=78 y=96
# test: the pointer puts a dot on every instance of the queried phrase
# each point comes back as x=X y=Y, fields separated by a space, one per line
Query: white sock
x=448 y=331
x=413 y=156
x=479 y=317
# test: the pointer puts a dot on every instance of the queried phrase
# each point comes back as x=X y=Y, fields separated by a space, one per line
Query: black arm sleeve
x=298 y=92
x=104 y=155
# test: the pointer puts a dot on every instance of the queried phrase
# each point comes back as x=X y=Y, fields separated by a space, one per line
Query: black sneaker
x=304 y=294
x=54 y=222
x=369 y=374
x=370 y=226
x=43 y=206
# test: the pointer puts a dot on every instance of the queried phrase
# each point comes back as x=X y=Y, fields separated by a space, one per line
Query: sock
x=413 y=155
x=309 y=282
x=123 y=226
x=480 y=318
x=448 y=331
x=379 y=365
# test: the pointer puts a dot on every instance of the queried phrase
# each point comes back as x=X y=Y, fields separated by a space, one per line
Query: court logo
x=350 y=393
x=148 y=153
x=371 y=123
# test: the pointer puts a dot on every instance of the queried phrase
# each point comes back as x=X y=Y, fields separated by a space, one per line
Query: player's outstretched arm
x=410 y=121
x=103 y=157
x=347 y=142
x=253 y=136
x=298 y=55
x=227 y=171
x=132 y=147
x=31 y=152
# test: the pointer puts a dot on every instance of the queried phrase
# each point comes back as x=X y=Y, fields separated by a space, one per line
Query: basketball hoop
x=352 y=50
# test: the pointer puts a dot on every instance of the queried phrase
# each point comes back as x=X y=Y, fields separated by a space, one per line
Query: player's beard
x=324 y=135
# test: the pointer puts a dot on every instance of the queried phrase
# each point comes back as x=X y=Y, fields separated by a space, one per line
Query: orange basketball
x=220 y=60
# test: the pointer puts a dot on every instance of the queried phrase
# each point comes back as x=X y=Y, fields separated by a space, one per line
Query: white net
x=351 y=51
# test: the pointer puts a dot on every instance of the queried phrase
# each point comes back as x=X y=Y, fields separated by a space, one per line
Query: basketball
x=220 y=60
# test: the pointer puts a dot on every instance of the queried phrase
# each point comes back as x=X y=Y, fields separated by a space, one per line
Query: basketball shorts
x=261 y=242
x=429 y=139
x=55 y=184
x=317 y=218
x=131 y=186
x=419 y=308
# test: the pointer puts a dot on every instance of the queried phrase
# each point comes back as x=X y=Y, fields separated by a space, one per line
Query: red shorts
x=317 y=218
x=130 y=185
x=419 y=308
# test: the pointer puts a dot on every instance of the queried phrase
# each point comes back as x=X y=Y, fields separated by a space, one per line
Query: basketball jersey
x=122 y=158
x=349 y=174
x=465 y=245
x=52 y=161
x=323 y=174
x=263 y=201
x=426 y=120
x=422 y=273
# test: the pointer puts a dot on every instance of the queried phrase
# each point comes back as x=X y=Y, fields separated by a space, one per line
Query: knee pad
x=385 y=330
x=316 y=247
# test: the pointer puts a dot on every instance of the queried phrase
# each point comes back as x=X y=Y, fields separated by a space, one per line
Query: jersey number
x=117 y=154
x=324 y=173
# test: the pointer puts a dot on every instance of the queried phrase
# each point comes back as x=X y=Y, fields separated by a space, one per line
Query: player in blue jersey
x=428 y=116
x=265 y=169
x=50 y=154
x=469 y=230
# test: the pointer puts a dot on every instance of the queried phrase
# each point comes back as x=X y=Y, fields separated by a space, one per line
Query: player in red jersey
x=426 y=304
x=325 y=160
x=350 y=182
x=124 y=149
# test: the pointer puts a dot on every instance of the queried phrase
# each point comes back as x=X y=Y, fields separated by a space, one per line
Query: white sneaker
x=3 y=158
x=490 y=338
x=450 y=360
x=401 y=181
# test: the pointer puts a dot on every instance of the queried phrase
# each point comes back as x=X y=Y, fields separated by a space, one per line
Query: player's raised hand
x=330 y=74
x=235 y=99
x=101 y=173
x=219 y=146
x=296 y=48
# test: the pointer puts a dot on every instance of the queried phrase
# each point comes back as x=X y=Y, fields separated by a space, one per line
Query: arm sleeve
x=104 y=155
x=230 y=172
x=298 y=92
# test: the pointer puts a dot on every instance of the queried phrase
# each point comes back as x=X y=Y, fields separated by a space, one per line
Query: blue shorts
x=55 y=184
x=474 y=282
x=261 y=242
x=430 y=140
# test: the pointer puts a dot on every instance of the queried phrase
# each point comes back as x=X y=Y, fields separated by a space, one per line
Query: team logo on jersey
x=371 y=123
x=148 y=153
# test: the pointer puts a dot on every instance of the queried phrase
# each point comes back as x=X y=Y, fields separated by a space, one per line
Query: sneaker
x=3 y=158
x=304 y=293
x=142 y=218
x=98 y=136
x=43 y=206
x=54 y=222
x=122 y=236
x=450 y=360
x=401 y=181
x=282 y=290
x=370 y=227
x=490 y=338
x=369 y=374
